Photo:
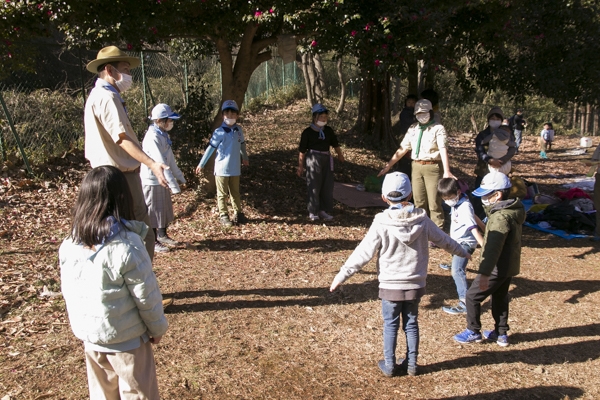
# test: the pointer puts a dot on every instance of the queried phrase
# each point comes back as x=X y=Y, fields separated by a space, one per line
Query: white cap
x=492 y=182
x=396 y=182
x=422 y=106
x=161 y=111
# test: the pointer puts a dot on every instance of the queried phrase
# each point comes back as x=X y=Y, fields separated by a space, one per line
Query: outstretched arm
x=397 y=156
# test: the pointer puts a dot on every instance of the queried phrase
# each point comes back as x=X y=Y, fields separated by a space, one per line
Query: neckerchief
x=320 y=130
x=421 y=129
x=101 y=83
x=162 y=133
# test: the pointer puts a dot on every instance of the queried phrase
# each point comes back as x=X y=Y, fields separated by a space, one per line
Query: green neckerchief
x=421 y=129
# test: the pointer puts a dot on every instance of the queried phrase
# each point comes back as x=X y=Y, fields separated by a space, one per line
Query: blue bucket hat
x=161 y=111
x=230 y=105
x=319 y=109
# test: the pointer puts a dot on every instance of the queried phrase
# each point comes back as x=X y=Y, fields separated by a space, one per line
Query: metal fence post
x=185 y=81
x=82 y=77
x=267 y=79
x=15 y=134
x=144 y=82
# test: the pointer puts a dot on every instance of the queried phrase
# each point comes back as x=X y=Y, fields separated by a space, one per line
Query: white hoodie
x=401 y=239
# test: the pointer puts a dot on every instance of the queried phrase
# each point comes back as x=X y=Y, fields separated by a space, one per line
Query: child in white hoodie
x=400 y=237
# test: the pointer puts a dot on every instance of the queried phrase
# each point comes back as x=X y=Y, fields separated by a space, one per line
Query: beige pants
x=140 y=209
x=228 y=185
x=127 y=375
x=425 y=195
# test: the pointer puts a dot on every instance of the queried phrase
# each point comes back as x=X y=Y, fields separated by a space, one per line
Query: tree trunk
x=340 y=72
x=374 y=116
x=595 y=124
x=582 y=120
x=589 y=118
x=569 y=118
x=310 y=96
x=320 y=76
x=398 y=102
x=574 y=124
x=413 y=76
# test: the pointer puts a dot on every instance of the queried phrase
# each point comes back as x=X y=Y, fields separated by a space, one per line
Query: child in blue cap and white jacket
x=157 y=145
x=228 y=140
x=400 y=237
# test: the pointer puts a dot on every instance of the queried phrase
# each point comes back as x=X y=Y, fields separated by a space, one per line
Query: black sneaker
x=225 y=221
x=239 y=219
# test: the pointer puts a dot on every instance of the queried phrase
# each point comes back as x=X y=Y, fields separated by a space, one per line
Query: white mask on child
x=321 y=123
x=487 y=202
x=230 y=121
x=453 y=202
x=494 y=123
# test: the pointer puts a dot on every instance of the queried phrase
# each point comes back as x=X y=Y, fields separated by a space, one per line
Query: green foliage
x=192 y=131
x=279 y=98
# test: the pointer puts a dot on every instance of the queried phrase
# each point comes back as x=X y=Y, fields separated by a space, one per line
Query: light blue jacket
x=111 y=293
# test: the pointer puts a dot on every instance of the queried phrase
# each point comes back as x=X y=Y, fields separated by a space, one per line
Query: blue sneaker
x=445 y=267
x=458 y=309
x=468 y=336
x=501 y=340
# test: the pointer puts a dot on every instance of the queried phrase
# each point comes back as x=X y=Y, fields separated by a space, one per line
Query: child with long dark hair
x=112 y=296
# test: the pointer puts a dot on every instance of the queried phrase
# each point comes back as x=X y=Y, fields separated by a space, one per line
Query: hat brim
x=172 y=116
x=479 y=192
x=93 y=65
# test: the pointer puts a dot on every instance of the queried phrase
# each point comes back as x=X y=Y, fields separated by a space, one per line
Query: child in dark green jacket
x=500 y=259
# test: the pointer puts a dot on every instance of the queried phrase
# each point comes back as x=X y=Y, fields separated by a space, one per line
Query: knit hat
x=495 y=110
x=396 y=182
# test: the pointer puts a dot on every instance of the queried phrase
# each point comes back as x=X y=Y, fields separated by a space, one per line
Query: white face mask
x=452 y=202
x=169 y=125
x=321 y=123
x=487 y=202
x=494 y=123
x=124 y=83
x=423 y=118
x=230 y=121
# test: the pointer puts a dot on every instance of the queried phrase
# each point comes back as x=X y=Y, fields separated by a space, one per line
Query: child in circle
x=464 y=229
x=400 y=237
x=229 y=143
x=112 y=296
x=157 y=145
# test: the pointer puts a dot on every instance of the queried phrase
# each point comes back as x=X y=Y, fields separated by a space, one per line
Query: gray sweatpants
x=319 y=180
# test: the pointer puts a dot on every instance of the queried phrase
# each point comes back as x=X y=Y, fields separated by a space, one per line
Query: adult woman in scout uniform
x=426 y=140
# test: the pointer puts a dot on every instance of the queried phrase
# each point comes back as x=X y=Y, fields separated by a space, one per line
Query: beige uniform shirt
x=434 y=138
x=105 y=119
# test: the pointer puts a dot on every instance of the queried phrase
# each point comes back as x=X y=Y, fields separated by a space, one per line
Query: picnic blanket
x=348 y=194
x=558 y=232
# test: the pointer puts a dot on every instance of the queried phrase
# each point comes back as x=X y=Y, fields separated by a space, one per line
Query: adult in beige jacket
x=426 y=140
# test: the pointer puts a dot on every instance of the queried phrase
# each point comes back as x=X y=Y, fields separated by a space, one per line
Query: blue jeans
x=518 y=138
x=459 y=273
x=391 y=311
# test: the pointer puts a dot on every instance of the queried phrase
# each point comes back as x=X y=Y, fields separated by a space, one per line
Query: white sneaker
x=325 y=216
x=313 y=217
x=160 y=248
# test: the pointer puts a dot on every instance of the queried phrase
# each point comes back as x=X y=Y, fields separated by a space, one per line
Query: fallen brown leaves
x=253 y=317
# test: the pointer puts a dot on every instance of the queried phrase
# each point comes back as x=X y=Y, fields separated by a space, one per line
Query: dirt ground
x=253 y=317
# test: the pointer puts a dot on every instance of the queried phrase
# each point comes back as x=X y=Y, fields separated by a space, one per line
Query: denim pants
x=498 y=289
x=391 y=311
x=518 y=138
x=459 y=273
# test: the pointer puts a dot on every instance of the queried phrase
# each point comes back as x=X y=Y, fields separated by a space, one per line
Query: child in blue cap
x=157 y=145
x=228 y=140
x=400 y=237
x=315 y=145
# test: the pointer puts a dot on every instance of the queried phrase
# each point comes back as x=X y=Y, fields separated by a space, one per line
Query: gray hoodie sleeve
x=441 y=239
x=363 y=253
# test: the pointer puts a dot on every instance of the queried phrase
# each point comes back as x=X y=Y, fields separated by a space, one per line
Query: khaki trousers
x=424 y=185
x=140 y=209
x=228 y=185
x=126 y=375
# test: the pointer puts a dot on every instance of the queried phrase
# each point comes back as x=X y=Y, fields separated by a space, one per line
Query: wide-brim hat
x=111 y=54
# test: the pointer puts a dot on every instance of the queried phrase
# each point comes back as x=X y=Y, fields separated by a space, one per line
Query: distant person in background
x=316 y=142
x=407 y=115
x=432 y=96
x=545 y=139
x=485 y=160
x=518 y=124
x=499 y=143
